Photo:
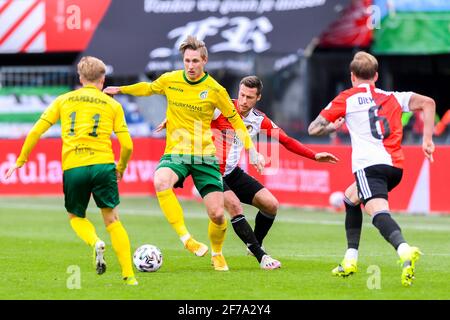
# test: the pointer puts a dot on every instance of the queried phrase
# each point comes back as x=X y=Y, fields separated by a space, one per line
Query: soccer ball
x=147 y=258
x=337 y=200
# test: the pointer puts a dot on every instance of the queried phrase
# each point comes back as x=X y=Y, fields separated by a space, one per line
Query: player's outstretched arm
x=322 y=126
x=142 y=88
x=297 y=147
x=428 y=107
x=40 y=127
x=112 y=90
x=137 y=89
x=326 y=157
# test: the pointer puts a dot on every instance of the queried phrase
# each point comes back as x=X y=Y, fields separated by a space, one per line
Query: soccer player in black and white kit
x=240 y=187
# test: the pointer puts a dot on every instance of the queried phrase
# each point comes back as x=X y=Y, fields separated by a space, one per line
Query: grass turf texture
x=38 y=248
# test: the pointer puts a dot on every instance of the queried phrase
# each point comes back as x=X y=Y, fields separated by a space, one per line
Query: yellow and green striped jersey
x=88 y=118
x=190 y=109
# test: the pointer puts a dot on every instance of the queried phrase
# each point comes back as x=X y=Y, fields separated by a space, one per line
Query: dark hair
x=253 y=82
x=364 y=65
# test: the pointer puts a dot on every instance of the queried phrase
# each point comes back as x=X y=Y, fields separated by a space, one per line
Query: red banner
x=49 y=25
x=292 y=179
x=300 y=181
x=76 y=20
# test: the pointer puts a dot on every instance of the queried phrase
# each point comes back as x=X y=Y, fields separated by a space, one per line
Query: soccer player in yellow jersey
x=88 y=118
x=192 y=95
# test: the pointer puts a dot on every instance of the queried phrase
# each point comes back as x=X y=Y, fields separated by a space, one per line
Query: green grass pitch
x=40 y=255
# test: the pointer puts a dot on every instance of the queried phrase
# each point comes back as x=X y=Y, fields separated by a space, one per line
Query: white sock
x=185 y=238
x=213 y=254
x=402 y=248
x=351 y=254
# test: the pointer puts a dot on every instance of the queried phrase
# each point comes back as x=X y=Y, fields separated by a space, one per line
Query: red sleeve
x=336 y=109
x=289 y=143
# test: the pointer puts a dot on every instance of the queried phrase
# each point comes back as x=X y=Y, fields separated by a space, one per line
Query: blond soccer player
x=373 y=117
x=88 y=118
x=192 y=96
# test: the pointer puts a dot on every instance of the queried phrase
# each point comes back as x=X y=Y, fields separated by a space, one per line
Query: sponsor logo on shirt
x=204 y=94
x=185 y=105
x=176 y=89
x=81 y=149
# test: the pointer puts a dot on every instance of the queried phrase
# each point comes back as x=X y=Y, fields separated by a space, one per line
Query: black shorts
x=376 y=181
x=243 y=185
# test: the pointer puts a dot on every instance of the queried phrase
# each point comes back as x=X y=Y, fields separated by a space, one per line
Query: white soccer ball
x=337 y=199
x=147 y=258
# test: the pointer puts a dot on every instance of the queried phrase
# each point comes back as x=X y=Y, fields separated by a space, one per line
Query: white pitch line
x=200 y=215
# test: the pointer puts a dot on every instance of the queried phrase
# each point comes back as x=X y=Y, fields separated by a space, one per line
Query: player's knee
x=161 y=183
x=72 y=216
x=215 y=213
x=272 y=206
x=109 y=215
x=351 y=193
x=109 y=220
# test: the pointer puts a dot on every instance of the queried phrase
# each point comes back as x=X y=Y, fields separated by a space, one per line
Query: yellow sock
x=85 y=230
x=121 y=245
x=172 y=210
x=216 y=234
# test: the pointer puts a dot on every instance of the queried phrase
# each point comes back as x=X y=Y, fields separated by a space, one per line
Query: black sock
x=388 y=228
x=245 y=233
x=353 y=223
x=263 y=223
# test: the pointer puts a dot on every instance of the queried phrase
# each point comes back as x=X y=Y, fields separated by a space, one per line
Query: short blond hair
x=364 y=65
x=193 y=43
x=91 y=68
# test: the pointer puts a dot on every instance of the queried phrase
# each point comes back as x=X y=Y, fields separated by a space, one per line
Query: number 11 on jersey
x=73 y=116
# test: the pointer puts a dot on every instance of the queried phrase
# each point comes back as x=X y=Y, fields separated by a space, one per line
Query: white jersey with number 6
x=373 y=118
